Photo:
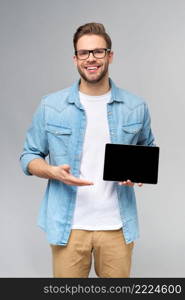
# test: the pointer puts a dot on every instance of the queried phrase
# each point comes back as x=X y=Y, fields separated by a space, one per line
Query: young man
x=82 y=214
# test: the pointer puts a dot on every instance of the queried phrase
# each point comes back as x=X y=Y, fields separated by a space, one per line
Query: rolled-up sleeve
x=146 y=136
x=36 y=144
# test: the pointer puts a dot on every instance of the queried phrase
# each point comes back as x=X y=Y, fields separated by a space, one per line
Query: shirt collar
x=73 y=97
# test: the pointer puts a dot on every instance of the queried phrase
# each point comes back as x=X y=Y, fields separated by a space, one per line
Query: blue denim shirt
x=57 y=131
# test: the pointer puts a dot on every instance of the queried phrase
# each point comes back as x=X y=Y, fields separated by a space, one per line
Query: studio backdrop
x=36 y=53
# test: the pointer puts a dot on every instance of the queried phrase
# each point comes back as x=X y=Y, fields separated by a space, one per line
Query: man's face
x=91 y=42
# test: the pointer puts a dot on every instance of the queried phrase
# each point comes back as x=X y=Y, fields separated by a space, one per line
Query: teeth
x=92 y=68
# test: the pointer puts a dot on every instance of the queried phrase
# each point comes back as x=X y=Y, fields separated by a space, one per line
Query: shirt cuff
x=25 y=160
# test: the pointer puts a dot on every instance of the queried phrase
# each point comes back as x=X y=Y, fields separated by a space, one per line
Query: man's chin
x=92 y=80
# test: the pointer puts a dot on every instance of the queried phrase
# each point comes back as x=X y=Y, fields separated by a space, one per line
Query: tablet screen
x=134 y=162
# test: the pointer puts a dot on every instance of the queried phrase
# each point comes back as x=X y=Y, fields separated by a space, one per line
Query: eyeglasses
x=97 y=53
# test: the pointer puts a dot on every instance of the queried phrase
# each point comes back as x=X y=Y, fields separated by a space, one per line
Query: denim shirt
x=57 y=131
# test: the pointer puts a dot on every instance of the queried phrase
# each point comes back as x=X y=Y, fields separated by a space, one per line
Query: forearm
x=39 y=167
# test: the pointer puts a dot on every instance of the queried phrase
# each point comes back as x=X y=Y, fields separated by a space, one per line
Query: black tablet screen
x=134 y=162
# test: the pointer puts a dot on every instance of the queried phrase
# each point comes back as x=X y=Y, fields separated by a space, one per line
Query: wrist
x=52 y=172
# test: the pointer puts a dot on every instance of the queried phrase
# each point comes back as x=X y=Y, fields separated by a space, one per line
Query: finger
x=66 y=168
x=77 y=181
x=130 y=183
x=140 y=184
x=122 y=183
x=71 y=179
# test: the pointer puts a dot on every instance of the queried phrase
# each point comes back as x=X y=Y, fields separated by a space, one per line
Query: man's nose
x=91 y=57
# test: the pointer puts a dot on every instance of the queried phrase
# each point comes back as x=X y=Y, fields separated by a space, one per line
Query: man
x=82 y=214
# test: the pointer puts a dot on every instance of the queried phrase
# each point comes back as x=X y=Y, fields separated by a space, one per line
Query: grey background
x=36 y=59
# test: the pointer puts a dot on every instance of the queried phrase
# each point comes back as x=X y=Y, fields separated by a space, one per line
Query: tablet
x=135 y=162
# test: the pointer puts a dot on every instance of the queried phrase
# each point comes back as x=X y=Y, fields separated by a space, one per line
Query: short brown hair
x=92 y=28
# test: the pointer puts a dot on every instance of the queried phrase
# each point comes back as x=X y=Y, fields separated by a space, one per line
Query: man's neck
x=94 y=89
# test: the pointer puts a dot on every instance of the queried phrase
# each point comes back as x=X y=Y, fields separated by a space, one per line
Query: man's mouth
x=92 y=69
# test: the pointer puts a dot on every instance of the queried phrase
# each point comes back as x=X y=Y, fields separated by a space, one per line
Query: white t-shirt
x=96 y=205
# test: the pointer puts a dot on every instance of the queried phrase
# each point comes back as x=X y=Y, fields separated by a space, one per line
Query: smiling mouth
x=92 y=69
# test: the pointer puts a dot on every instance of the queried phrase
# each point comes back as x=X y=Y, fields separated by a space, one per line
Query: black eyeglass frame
x=92 y=51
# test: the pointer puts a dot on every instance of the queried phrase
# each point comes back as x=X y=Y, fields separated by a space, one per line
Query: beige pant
x=112 y=256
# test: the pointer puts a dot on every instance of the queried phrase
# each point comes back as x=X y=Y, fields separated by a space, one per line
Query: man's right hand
x=62 y=173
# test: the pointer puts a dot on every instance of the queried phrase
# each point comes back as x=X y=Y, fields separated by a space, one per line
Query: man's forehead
x=91 y=42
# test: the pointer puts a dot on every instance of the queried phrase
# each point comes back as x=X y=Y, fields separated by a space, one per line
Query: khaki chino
x=112 y=256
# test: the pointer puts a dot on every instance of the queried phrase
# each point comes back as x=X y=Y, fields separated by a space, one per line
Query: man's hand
x=129 y=183
x=62 y=173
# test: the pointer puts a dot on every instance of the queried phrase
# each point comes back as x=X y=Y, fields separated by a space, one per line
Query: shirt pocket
x=58 y=138
x=130 y=133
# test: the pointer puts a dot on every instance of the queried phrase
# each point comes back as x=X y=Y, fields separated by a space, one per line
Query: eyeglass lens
x=97 y=53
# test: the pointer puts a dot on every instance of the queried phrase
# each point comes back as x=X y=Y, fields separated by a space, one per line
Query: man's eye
x=83 y=52
x=99 y=51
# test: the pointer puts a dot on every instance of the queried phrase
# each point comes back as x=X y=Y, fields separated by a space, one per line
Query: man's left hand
x=129 y=183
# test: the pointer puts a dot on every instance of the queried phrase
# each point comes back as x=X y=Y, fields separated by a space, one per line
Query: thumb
x=66 y=167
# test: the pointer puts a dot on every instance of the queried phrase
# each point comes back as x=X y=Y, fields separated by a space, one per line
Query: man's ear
x=75 y=60
x=111 y=55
